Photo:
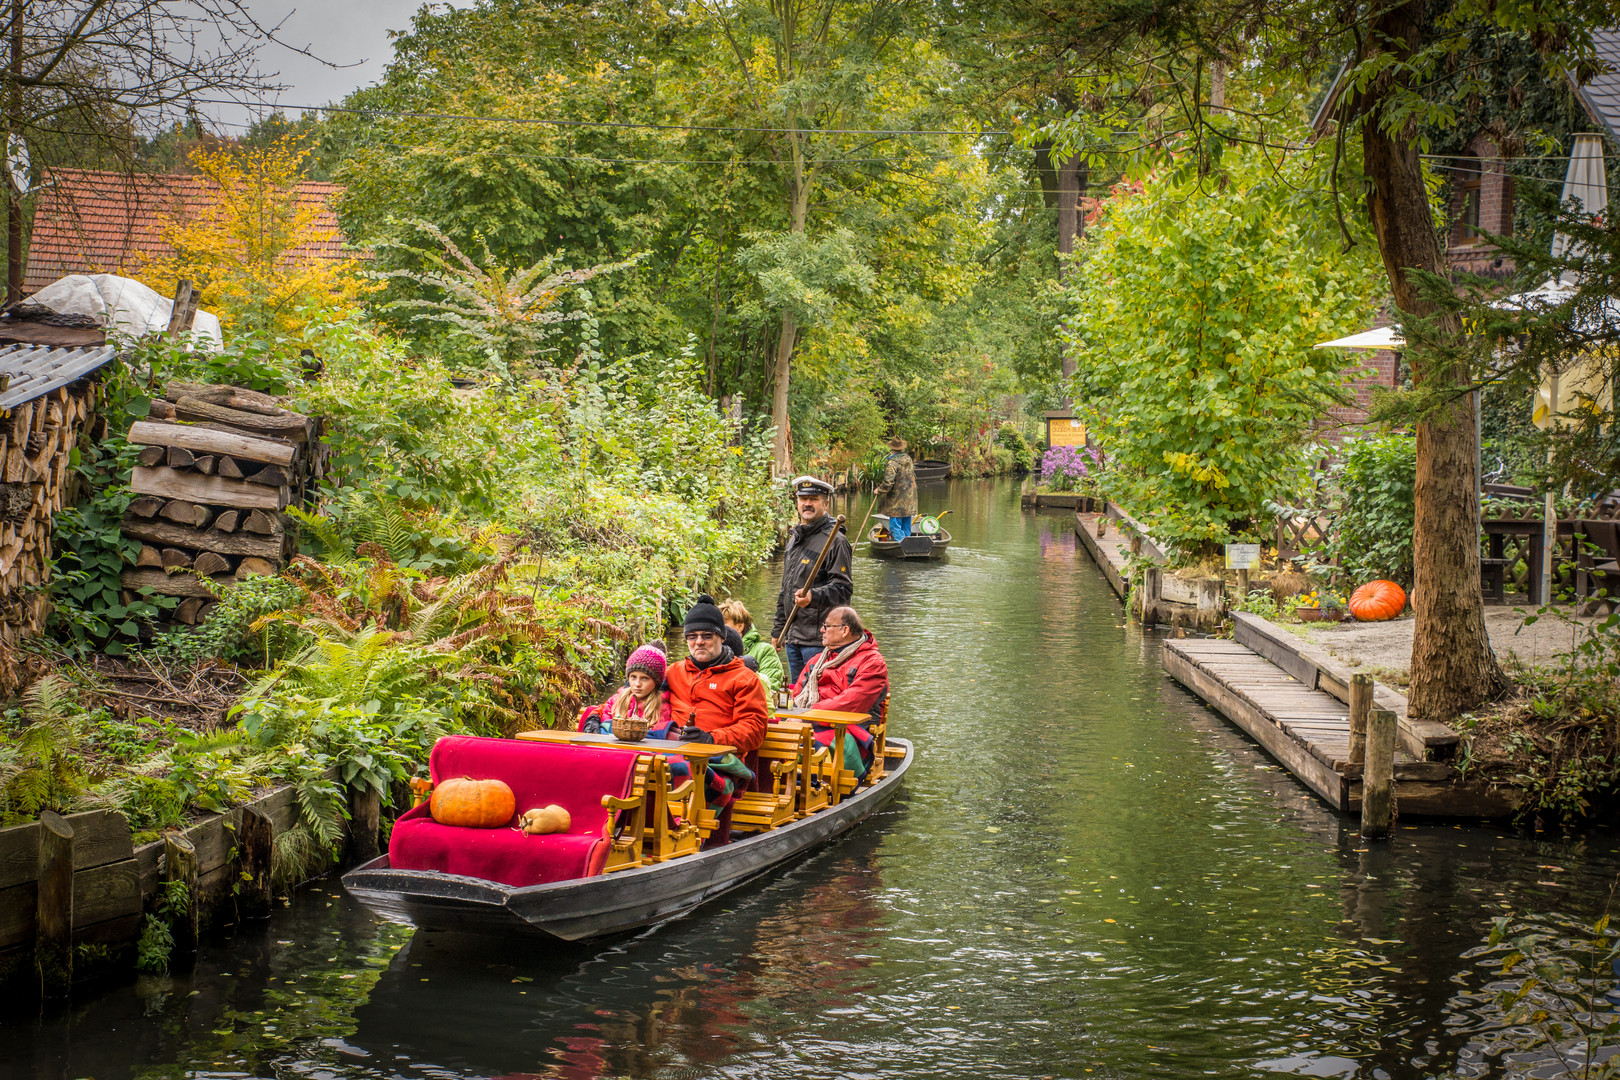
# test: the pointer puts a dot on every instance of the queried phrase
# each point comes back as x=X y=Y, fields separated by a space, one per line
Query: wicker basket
x=630 y=729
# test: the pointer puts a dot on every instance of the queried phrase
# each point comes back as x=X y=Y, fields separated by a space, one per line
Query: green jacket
x=770 y=665
x=899 y=488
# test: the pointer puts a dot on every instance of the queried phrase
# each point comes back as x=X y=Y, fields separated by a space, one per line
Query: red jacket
x=856 y=685
x=728 y=700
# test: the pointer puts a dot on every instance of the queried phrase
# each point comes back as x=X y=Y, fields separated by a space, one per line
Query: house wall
x=1482 y=169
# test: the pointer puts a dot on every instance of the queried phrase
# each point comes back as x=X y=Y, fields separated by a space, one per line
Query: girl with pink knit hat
x=642 y=695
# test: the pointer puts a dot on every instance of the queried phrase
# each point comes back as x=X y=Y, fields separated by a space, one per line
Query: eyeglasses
x=701 y=636
x=833 y=625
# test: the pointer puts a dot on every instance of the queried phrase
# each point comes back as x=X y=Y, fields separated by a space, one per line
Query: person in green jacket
x=770 y=665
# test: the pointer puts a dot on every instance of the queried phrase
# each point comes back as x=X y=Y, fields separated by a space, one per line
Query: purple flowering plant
x=1072 y=468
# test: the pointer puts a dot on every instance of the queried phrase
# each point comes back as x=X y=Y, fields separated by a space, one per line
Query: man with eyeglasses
x=848 y=675
x=813 y=599
x=714 y=698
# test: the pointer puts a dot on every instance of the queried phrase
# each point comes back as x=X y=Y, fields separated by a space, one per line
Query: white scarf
x=812 y=692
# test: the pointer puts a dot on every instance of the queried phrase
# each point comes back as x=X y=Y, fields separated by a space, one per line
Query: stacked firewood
x=218 y=466
x=35 y=443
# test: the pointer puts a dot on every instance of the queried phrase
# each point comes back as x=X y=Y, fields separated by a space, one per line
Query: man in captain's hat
x=832 y=586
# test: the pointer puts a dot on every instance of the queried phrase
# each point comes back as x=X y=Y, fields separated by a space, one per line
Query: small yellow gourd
x=545 y=819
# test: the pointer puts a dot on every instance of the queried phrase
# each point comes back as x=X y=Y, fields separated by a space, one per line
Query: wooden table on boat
x=699 y=754
x=839 y=722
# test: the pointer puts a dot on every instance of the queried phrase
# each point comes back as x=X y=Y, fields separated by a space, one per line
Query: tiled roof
x=27 y=371
x=1601 y=95
x=106 y=222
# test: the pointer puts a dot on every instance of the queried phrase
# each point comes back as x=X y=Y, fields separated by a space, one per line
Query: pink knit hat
x=650 y=659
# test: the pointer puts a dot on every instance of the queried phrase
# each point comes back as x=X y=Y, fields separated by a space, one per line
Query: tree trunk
x=1072 y=178
x=1453 y=668
x=782 y=451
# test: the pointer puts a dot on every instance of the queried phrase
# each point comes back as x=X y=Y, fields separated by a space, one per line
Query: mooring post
x=1210 y=593
x=180 y=891
x=255 y=850
x=1150 y=595
x=365 y=813
x=1378 y=775
x=1361 y=695
x=53 y=907
x=1102 y=526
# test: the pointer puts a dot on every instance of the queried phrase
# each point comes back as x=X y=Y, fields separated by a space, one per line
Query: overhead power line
x=555 y=122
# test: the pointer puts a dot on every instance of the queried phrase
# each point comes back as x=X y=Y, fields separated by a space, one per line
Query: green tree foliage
x=1194 y=306
x=900 y=268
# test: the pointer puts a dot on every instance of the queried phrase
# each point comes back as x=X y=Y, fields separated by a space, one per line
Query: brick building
x=1482 y=201
x=88 y=222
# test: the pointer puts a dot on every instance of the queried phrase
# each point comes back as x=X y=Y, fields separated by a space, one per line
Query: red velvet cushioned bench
x=573 y=777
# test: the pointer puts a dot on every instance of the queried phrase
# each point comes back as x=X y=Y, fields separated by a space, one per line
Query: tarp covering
x=119 y=304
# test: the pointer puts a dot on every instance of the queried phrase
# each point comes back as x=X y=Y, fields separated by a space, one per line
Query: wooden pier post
x=255 y=849
x=1361 y=693
x=181 y=900
x=1378 y=775
x=1243 y=585
x=365 y=813
x=1210 y=593
x=1150 y=595
x=53 y=907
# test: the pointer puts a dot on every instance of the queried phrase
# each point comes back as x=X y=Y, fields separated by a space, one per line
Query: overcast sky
x=353 y=33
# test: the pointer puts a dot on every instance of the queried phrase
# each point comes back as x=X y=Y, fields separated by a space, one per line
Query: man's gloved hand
x=693 y=733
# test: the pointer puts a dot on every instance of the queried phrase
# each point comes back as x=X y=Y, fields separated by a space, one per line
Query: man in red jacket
x=849 y=675
x=712 y=695
x=716 y=699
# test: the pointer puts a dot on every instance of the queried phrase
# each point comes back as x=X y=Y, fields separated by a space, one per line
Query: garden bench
x=604 y=792
x=1493 y=579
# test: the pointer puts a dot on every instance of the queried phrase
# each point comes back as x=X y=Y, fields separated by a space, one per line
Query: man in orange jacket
x=712 y=695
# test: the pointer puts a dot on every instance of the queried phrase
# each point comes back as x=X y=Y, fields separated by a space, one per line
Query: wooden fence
x=115 y=883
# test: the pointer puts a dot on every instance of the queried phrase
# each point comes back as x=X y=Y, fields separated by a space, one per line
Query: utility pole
x=14 y=195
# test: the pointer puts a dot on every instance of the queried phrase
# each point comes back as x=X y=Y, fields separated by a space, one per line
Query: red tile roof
x=89 y=222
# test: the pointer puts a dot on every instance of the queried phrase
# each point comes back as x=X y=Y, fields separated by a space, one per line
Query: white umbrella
x=1378 y=338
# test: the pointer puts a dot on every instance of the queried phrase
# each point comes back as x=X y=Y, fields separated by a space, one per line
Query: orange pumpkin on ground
x=1377 y=601
x=475 y=804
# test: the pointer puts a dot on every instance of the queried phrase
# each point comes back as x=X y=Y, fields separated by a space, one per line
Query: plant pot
x=1308 y=614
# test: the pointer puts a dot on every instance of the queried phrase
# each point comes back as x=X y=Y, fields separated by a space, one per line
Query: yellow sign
x=1065 y=432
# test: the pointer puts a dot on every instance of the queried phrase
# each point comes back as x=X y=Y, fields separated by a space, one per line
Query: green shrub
x=1012 y=440
x=1375 y=480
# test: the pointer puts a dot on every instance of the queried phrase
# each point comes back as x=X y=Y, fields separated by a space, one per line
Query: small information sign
x=1242 y=556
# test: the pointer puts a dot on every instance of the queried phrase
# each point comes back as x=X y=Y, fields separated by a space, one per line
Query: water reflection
x=1089 y=874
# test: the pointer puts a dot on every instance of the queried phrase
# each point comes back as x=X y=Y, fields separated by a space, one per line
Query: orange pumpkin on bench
x=592 y=786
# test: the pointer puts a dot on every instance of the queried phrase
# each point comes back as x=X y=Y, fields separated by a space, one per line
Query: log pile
x=36 y=439
x=217 y=467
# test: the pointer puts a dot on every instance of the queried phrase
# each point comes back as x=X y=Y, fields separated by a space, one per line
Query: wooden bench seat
x=785 y=756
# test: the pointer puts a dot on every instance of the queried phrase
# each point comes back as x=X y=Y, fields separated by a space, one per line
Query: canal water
x=1088 y=875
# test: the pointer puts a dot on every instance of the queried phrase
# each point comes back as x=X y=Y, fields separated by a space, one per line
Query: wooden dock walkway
x=1292 y=698
x=1299 y=714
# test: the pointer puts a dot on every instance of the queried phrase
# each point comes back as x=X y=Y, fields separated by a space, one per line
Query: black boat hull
x=927 y=470
x=911 y=547
x=612 y=903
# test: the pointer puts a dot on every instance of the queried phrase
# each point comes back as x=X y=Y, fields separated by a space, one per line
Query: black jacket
x=832 y=587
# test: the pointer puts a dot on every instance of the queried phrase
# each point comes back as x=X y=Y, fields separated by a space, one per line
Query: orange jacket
x=728 y=701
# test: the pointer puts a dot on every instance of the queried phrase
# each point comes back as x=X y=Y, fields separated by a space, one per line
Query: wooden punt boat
x=929 y=469
x=915 y=546
x=625 y=900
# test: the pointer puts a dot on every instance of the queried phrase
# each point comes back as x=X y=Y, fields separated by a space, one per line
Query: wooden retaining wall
x=115 y=883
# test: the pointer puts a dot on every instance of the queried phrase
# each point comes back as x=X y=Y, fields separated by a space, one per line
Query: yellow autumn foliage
x=242 y=247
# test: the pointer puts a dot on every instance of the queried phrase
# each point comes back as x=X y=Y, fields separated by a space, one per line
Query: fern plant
x=41 y=769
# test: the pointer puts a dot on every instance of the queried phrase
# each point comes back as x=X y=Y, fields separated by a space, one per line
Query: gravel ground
x=1386 y=647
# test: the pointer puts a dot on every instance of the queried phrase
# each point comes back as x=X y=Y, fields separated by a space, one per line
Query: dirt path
x=1384 y=649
